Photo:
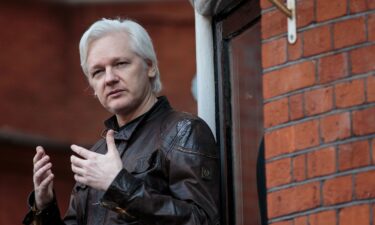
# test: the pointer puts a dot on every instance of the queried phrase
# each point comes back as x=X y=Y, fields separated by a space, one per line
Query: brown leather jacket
x=170 y=176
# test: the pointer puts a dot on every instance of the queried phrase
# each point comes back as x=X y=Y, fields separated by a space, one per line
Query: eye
x=97 y=72
x=121 y=63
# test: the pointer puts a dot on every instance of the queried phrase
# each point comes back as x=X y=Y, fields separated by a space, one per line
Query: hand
x=96 y=170
x=42 y=178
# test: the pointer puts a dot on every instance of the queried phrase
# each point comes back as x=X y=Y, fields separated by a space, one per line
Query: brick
x=274 y=52
x=371 y=27
x=318 y=101
x=295 y=50
x=350 y=93
x=296 y=106
x=365 y=185
x=276 y=112
x=325 y=217
x=288 y=79
x=299 y=168
x=337 y=190
x=306 y=12
x=349 y=32
x=273 y=23
x=326 y=10
x=355 y=215
x=364 y=121
x=335 y=127
x=294 y=199
x=292 y=138
x=373 y=150
x=370 y=88
x=306 y=134
x=354 y=155
x=358 y=6
x=278 y=172
x=279 y=142
x=317 y=40
x=321 y=162
x=333 y=67
x=302 y=220
x=363 y=59
x=371 y=4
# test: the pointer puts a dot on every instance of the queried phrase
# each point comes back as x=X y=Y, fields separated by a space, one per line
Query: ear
x=151 y=70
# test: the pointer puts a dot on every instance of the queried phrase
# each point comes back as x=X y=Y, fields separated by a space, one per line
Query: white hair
x=140 y=43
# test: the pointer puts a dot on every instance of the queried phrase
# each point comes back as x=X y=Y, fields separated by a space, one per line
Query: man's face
x=119 y=77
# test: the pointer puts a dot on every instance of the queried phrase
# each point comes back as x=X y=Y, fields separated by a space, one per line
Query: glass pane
x=246 y=88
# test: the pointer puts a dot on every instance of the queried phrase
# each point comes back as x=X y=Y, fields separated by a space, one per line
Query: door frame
x=226 y=25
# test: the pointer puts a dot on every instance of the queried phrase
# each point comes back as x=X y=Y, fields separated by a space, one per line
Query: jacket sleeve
x=193 y=178
x=51 y=214
x=47 y=216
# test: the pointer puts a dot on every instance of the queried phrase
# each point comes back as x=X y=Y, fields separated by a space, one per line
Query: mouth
x=115 y=92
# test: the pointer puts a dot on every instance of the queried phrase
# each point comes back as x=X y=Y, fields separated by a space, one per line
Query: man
x=155 y=165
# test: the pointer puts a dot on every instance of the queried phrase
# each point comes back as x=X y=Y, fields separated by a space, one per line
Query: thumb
x=111 y=142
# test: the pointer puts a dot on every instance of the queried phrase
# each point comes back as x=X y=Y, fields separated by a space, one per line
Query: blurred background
x=45 y=99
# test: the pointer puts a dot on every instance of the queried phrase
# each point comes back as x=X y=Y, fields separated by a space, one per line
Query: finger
x=84 y=153
x=78 y=170
x=78 y=162
x=111 y=141
x=40 y=163
x=49 y=172
x=80 y=179
x=39 y=154
x=40 y=174
x=44 y=184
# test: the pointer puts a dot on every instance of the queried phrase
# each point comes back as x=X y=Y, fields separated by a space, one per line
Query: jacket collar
x=126 y=131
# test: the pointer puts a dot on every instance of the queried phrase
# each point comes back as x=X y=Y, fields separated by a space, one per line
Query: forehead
x=109 y=46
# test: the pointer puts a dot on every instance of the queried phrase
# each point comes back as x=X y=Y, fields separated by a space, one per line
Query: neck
x=145 y=106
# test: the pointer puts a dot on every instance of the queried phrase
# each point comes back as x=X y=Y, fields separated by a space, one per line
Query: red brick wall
x=319 y=113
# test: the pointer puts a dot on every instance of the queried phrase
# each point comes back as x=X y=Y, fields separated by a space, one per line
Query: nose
x=110 y=76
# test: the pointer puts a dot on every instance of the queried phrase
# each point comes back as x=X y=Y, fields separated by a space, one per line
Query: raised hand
x=96 y=170
x=42 y=178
